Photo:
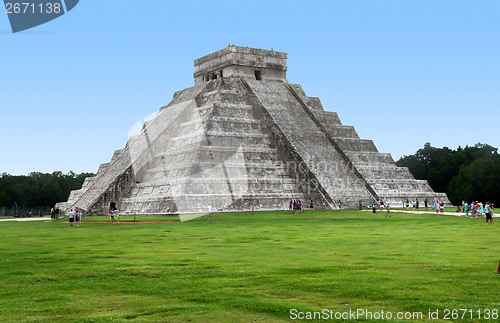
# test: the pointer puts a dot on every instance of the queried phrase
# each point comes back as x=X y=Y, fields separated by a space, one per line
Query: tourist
x=52 y=213
x=340 y=205
x=416 y=205
x=209 y=211
x=388 y=211
x=300 y=206
x=311 y=205
x=437 y=207
x=374 y=208
x=466 y=209
x=407 y=203
x=441 y=206
x=360 y=204
x=425 y=203
x=489 y=215
x=112 y=216
x=78 y=218
x=323 y=205
x=117 y=216
x=290 y=207
x=71 y=217
x=381 y=205
x=473 y=210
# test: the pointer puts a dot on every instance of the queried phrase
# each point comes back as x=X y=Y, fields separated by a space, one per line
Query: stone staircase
x=323 y=160
x=391 y=183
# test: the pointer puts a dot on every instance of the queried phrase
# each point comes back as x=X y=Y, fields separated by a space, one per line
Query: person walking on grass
x=407 y=204
x=417 y=204
x=425 y=203
x=374 y=208
x=323 y=205
x=340 y=205
x=437 y=207
x=290 y=207
x=489 y=213
x=71 y=217
x=311 y=205
x=388 y=211
x=112 y=216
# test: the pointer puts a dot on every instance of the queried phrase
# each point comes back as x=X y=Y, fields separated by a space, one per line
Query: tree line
x=470 y=173
x=38 y=189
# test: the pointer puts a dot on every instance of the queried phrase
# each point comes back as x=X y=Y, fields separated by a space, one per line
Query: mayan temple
x=244 y=138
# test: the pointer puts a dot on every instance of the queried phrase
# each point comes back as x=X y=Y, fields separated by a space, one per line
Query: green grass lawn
x=247 y=268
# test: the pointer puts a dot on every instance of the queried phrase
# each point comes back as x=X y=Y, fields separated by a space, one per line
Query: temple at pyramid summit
x=243 y=138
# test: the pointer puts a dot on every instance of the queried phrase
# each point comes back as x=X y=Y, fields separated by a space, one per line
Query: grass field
x=248 y=268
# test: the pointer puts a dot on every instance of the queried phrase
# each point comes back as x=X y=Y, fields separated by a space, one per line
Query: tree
x=38 y=189
x=477 y=181
x=469 y=173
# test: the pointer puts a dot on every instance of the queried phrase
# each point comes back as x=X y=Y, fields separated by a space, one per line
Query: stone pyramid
x=243 y=138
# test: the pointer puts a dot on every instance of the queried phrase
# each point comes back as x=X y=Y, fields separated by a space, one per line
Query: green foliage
x=470 y=173
x=477 y=181
x=38 y=189
x=244 y=268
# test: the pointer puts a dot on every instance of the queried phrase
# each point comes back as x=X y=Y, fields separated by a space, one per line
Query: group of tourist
x=295 y=206
x=415 y=204
x=381 y=205
x=478 y=209
x=75 y=217
x=54 y=213
x=438 y=207
x=114 y=215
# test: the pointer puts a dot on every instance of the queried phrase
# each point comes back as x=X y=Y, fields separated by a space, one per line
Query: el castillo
x=243 y=138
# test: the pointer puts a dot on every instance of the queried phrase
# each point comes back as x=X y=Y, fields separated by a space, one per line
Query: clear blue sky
x=402 y=72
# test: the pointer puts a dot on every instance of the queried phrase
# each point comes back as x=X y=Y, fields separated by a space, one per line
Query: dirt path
x=26 y=219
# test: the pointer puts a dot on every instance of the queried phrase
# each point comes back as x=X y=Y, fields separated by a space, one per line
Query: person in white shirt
x=488 y=213
x=71 y=217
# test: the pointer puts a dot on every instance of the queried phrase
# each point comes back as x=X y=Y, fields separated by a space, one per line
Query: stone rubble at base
x=242 y=139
